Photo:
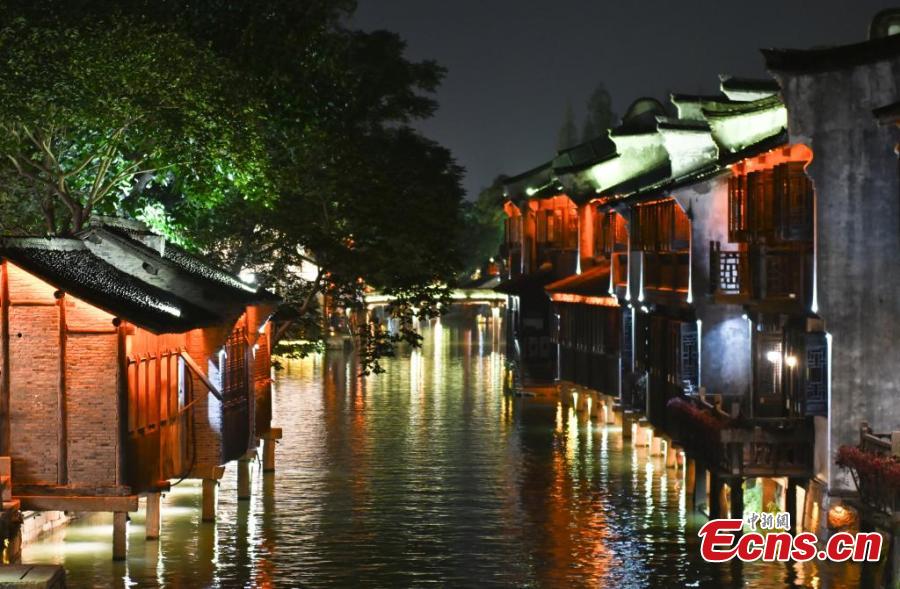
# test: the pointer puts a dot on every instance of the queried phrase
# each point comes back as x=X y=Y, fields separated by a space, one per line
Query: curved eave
x=799 y=61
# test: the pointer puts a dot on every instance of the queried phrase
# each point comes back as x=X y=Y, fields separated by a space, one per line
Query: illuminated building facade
x=735 y=280
x=126 y=363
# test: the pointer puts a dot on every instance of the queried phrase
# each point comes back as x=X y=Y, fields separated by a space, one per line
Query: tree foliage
x=482 y=227
x=265 y=134
x=91 y=114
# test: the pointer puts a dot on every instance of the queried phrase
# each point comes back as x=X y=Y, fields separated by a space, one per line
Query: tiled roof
x=832 y=58
x=68 y=265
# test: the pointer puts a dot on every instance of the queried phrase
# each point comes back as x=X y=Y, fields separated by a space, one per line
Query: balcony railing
x=666 y=271
x=620 y=265
x=740 y=447
x=875 y=467
x=759 y=274
x=563 y=260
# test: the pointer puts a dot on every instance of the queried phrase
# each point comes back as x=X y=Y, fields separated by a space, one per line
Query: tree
x=91 y=115
x=568 y=133
x=306 y=156
x=482 y=226
x=600 y=116
x=357 y=193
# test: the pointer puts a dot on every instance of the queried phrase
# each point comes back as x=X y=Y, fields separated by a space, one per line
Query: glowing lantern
x=841 y=517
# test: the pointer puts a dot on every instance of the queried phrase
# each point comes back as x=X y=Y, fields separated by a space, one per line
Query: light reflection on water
x=427 y=474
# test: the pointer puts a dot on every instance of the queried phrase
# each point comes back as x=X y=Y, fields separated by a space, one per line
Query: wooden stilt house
x=126 y=362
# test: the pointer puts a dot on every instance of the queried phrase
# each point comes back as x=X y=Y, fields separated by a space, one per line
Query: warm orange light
x=561 y=297
x=772 y=158
x=840 y=516
x=511 y=210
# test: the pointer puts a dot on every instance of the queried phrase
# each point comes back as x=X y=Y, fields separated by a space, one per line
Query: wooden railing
x=875 y=466
x=884 y=444
x=666 y=271
x=743 y=447
x=769 y=447
x=563 y=260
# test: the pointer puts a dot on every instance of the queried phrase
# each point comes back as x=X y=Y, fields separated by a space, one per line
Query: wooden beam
x=274 y=433
x=124 y=408
x=32 y=303
x=195 y=368
x=4 y=368
x=203 y=471
x=119 y=503
x=62 y=465
x=88 y=331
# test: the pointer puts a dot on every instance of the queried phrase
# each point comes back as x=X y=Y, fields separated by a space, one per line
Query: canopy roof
x=162 y=292
x=590 y=283
x=68 y=265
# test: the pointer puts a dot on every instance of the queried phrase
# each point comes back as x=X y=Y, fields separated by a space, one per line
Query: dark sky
x=514 y=64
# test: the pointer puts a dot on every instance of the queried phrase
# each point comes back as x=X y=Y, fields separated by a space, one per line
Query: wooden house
x=645 y=317
x=842 y=104
x=126 y=363
x=544 y=243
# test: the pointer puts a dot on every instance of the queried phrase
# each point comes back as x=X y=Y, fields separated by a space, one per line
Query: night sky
x=515 y=64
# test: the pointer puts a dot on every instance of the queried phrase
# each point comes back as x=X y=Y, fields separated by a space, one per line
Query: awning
x=531 y=283
x=591 y=287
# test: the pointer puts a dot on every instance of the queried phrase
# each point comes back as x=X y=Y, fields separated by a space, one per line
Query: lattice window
x=730 y=272
x=627 y=338
x=689 y=354
x=233 y=365
x=155 y=390
x=816 y=374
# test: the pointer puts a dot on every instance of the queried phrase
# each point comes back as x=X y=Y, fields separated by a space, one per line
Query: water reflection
x=427 y=474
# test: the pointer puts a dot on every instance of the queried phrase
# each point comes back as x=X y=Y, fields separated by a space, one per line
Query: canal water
x=427 y=475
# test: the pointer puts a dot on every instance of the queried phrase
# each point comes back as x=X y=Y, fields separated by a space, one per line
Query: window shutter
x=627 y=339
x=688 y=366
x=816 y=374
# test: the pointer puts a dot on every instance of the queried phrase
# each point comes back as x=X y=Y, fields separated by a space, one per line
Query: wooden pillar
x=269 y=455
x=768 y=493
x=737 y=499
x=690 y=482
x=790 y=498
x=596 y=406
x=581 y=406
x=610 y=413
x=62 y=467
x=655 y=444
x=671 y=455
x=626 y=425
x=120 y=527
x=701 y=487
x=208 y=510
x=243 y=479
x=716 y=486
x=153 y=516
x=640 y=434
x=14 y=549
x=4 y=368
